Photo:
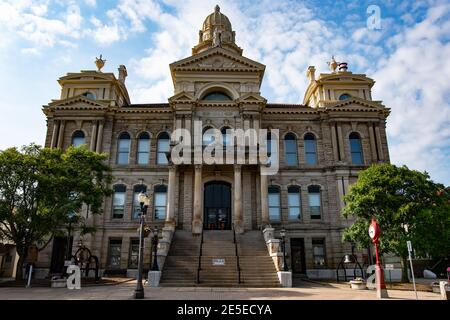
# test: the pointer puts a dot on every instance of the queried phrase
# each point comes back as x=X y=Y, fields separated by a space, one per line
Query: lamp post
x=283 y=243
x=155 y=240
x=374 y=233
x=144 y=202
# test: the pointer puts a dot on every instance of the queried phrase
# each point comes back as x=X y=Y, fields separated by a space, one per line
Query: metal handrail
x=200 y=259
x=237 y=255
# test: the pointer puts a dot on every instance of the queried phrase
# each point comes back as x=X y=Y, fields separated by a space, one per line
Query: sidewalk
x=307 y=291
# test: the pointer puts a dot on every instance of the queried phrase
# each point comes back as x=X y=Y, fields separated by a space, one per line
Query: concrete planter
x=153 y=278
x=358 y=284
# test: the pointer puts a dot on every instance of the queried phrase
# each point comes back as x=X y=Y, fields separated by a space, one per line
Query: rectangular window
x=274 y=206
x=318 y=247
x=294 y=208
x=124 y=149
x=163 y=147
x=136 y=205
x=143 y=151
x=314 y=202
x=310 y=152
x=134 y=254
x=118 y=202
x=160 y=205
x=115 y=246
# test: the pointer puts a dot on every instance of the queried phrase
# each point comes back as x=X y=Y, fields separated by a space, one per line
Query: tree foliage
x=42 y=190
x=406 y=204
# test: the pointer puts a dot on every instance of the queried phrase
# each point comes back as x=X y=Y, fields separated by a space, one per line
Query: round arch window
x=344 y=96
x=217 y=96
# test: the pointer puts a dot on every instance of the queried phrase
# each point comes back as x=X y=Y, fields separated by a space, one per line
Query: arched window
x=208 y=136
x=119 y=201
x=355 y=148
x=123 y=151
x=274 y=203
x=136 y=205
x=310 y=149
x=226 y=136
x=315 y=209
x=78 y=138
x=344 y=96
x=294 y=203
x=216 y=96
x=272 y=147
x=143 y=148
x=163 y=147
x=160 y=202
x=290 y=149
x=89 y=95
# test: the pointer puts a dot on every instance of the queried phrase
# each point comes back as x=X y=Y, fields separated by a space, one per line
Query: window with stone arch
x=274 y=203
x=160 y=202
x=136 y=205
x=315 y=202
x=294 y=203
x=123 y=148
x=78 y=138
x=344 y=96
x=118 y=203
x=356 y=148
x=290 y=149
x=216 y=96
x=89 y=95
x=163 y=146
x=143 y=148
x=208 y=136
x=310 y=149
x=226 y=136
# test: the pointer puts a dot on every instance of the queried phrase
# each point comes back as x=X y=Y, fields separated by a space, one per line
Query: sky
x=403 y=45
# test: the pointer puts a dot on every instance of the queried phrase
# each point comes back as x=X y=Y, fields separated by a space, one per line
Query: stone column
x=264 y=201
x=334 y=142
x=62 y=124
x=54 y=134
x=98 y=147
x=340 y=142
x=380 y=147
x=373 y=148
x=93 y=136
x=237 y=203
x=170 y=217
x=197 y=221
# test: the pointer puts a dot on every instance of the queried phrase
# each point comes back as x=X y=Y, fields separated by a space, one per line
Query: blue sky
x=408 y=56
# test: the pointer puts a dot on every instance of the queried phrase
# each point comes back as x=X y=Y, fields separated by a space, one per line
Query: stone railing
x=274 y=248
x=163 y=250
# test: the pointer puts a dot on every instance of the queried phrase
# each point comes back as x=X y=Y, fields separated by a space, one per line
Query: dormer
x=96 y=86
x=338 y=85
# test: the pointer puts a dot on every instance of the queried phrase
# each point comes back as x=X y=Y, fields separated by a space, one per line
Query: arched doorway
x=217 y=206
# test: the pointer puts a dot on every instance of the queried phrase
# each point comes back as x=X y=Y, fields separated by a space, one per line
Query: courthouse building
x=324 y=141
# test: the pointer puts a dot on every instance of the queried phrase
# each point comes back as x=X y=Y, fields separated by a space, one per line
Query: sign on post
x=409 y=245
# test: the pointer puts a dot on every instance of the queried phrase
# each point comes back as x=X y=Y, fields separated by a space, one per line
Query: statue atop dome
x=216 y=32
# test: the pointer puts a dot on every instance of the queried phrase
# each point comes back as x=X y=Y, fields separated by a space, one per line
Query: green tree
x=42 y=190
x=401 y=200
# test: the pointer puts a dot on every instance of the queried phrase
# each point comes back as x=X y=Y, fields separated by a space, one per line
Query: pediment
x=182 y=97
x=88 y=76
x=77 y=101
x=252 y=98
x=356 y=104
x=217 y=59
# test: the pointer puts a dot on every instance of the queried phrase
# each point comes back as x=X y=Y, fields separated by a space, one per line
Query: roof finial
x=217 y=8
x=99 y=62
x=332 y=64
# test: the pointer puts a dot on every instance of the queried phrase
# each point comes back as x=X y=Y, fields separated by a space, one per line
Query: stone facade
x=97 y=104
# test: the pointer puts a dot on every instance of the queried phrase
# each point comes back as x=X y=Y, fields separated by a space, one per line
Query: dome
x=217 y=19
x=216 y=32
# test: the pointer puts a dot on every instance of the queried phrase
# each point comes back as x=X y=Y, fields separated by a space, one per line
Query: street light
x=283 y=243
x=144 y=202
x=155 y=240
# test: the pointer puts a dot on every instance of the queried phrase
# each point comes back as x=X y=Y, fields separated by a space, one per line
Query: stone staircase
x=257 y=269
x=180 y=268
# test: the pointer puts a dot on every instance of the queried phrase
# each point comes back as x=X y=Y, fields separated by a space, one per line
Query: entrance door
x=217 y=206
x=298 y=255
x=59 y=254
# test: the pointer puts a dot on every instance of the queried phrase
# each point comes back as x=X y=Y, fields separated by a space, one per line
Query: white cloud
x=91 y=3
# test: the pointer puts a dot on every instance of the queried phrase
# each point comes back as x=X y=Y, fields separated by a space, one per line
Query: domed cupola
x=216 y=32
